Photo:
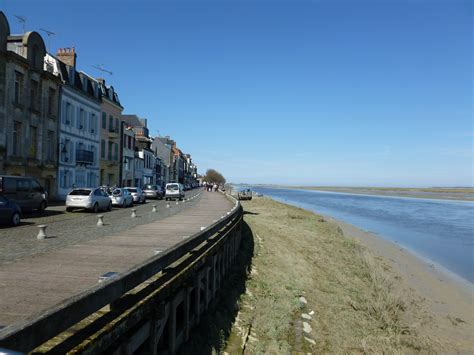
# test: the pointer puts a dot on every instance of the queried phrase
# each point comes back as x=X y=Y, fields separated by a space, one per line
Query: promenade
x=38 y=274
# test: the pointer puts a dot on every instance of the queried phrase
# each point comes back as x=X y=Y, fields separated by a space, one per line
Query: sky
x=329 y=92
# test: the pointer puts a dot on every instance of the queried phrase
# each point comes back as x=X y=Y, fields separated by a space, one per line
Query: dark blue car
x=10 y=212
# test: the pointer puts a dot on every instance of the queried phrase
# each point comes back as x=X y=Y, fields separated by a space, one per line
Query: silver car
x=137 y=194
x=93 y=199
x=153 y=191
x=121 y=197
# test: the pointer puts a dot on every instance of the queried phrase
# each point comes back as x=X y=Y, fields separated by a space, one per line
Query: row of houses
x=67 y=129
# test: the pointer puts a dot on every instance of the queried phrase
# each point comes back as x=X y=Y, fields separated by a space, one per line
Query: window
x=104 y=120
x=50 y=145
x=116 y=125
x=23 y=185
x=111 y=123
x=16 y=138
x=33 y=141
x=102 y=149
x=34 y=95
x=18 y=87
x=116 y=151
x=92 y=122
x=51 y=102
x=80 y=118
x=109 y=156
x=68 y=113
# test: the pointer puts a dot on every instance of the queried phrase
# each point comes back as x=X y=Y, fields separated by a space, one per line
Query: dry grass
x=356 y=303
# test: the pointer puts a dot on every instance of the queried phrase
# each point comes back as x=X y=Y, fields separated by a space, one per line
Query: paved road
x=68 y=228
x=71 y=262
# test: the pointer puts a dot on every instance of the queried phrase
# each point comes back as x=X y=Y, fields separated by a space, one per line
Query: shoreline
x=447 y=296
x=446 y=194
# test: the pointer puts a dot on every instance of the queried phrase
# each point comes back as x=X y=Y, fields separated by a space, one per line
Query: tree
x=215 y=177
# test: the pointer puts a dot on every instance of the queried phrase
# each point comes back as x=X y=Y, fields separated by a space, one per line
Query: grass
x=353 y=301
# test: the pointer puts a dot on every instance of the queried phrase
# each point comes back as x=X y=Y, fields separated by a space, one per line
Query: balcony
x=84 y=157
x=113 y=133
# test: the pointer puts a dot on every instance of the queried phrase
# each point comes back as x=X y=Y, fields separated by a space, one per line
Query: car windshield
x=173 y=187
x=117 y=192
x=80 y=192
x=150 y=187
x=132 y=190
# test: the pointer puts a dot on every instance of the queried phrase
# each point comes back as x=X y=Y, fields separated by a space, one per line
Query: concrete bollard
x=168 y=205
x=100 y=220
x=154 y=208
x=42 y=231
x=177 y=202
x=134 y=214
x=202 y=228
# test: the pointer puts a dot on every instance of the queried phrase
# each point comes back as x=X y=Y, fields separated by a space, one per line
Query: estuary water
x=441 y=231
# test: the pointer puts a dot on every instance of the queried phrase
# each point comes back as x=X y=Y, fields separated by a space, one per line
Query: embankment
x=309 y=284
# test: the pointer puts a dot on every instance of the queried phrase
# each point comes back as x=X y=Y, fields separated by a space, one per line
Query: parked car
x=174 y=191
x=137 y=194
x=153 y=191
x=92 y=199
x=10 y=212
x=121 y=197
x=26 y=192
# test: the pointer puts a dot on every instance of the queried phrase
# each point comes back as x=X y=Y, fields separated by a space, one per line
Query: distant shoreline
x=439 y=193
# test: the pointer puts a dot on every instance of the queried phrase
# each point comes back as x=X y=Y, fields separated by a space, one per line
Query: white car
x=93 y=199
x=174 y=191
x=121 y=198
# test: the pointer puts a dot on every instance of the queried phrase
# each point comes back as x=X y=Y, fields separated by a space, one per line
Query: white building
x=79 y=135
x=149 y=162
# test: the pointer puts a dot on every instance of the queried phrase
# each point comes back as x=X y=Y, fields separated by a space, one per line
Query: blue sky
x=293 y=92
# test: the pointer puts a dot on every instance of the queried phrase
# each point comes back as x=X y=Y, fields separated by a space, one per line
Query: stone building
x=29 y=125
x=110 y=144
x=161 y=147
x=79 y=136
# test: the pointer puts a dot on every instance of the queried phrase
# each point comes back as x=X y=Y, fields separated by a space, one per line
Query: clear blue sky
x=296 y=92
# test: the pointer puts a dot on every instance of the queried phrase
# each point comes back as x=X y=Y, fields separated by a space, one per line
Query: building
x=110 y=137
x=149 y=165
x=128 y=155
x=161 y=147
x=79 y=135
x=29 y=126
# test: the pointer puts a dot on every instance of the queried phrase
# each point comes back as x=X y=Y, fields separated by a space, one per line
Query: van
x=174 y=191
x=26 y=192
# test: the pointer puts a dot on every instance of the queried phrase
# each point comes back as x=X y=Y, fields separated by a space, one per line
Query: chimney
x=67 y=56
x=101 y=81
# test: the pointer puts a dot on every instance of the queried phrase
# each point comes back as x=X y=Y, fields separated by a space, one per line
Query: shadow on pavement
x=210 y=335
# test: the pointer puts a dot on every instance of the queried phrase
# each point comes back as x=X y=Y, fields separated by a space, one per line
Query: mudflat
x=442 y=193
x=319 y=285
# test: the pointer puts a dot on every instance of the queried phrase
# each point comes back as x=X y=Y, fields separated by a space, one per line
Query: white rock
x=306 y=316
x=309 y=340
x=302 y=300
x=311 y=313
x=307 y=328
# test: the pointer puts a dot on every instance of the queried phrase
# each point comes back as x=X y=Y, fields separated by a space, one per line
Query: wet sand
x=447 y=299
x=462 y=194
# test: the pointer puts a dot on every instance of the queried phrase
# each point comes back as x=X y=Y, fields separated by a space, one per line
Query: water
x=439 y=230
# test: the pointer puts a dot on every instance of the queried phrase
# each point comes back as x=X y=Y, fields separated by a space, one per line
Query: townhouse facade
x=128 y=155
x=29 y=128
x=66 y=129
x=78 y=146
x=110 y=137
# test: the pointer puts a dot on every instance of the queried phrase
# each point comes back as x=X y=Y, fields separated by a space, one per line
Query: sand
x=448 y=300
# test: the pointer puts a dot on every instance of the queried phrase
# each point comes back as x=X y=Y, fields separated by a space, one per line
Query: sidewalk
x=33 y=284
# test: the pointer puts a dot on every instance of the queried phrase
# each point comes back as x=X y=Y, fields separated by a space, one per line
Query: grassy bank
x=300 y=285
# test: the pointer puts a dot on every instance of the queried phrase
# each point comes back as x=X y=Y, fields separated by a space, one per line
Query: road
x=68 y=228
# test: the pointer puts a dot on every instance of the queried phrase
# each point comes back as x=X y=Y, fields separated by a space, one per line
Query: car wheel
x=123 y=204
x=16 y=219
x=42 y=207
x=95 y=209
x=109 y=207
x=68 y=209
